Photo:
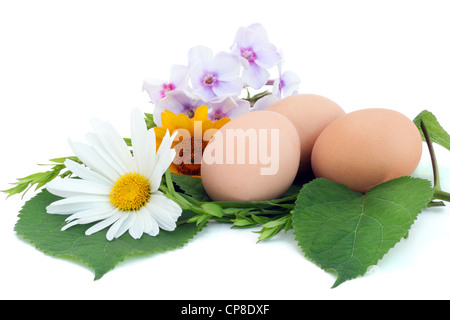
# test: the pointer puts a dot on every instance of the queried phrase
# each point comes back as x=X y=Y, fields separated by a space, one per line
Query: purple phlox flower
x=227 y=107
x=177 y=101
x=287 y=83
x=257 y=54
x=214 y=76
x=157 y=89
x=264 y=102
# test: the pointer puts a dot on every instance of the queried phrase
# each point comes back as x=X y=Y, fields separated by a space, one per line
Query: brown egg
x=254 y=157
x=310 y=114
x=367 y=147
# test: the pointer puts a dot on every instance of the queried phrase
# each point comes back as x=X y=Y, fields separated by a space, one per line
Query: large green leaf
x=346 y=231
x=44 y=232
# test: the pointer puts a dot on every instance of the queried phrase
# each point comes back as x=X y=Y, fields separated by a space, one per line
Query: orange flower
x=190 y=138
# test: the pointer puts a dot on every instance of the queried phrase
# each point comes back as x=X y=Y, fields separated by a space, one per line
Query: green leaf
x=213 y=209
x=243 y=222
x=192 y=186
x=41 y=178
x=260 y=219
x=44 y=232
x=348 y=232
x=149 y=121
x=63 y=159
x=267 y=233
x=274 y=226
x=436 y=132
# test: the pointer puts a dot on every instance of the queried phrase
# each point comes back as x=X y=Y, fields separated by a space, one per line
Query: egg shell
x=234 y=180
x=367 y=147
x=310 y=114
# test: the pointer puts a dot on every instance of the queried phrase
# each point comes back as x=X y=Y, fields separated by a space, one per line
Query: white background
x=65 y=62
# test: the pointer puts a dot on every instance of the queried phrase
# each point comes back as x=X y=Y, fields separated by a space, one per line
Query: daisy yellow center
x=130 y=192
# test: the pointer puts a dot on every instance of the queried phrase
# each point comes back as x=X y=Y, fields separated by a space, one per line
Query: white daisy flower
x=118 y=189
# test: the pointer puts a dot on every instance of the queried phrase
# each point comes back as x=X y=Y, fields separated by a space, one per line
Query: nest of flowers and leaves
x=122 y=197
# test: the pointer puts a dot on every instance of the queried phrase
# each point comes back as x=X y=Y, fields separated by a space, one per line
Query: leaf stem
x=437 y=182
x=169 y=182
x=441 y=195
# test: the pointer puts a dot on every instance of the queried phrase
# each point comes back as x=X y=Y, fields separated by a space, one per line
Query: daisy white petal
x=172 y=208
x=104 y=210
x=140 y=140
x=137 y=227
x=77 y=203
x=121 y=226
x=104 y=223
x=151 y=226
x=102 y=151
x=165 y=212
x=76 y=187
x=90 y=217
x=71 y=224
x=85 y=173
x=91 y=159
x=113 y=143
x=165 y=154
x=155 y=179
x=164 y=221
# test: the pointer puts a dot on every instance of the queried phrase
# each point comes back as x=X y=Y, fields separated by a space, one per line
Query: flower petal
x=225 y=88
x=88 y=216
x=162 y=213
x=105 y=154
x=144 y=144
x=291 y=82
x=92 y=159
x=265 y=102
x=226 y=66
x=183 y=122
x=268 y=57
x=179 y=76
x=258 y=36
x=75 y=204
x=255 y=76
x=165 y=153
x=151 y=226
x=177 y=101
x=153 y=88
x=137 y=227
x=114 y=223
x=85 y=173
x=114 y=144
x=169 y=120
x=115 y=216
x=243 y=39
x=77 y=187
x=200 y=54
x=93 y=212
x=201 y=113
x=124 y=225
